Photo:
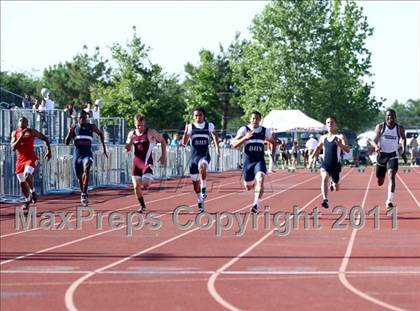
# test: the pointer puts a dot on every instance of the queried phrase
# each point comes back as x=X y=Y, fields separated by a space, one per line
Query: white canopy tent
x=368 y=134
x=291 y=121
x=364 y=138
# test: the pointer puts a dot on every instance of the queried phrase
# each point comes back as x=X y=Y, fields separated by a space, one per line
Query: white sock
x=256 y=202
x=199 y=198
x=32 y=190
x=203 y=183
x=28 y=199
x=390 y=196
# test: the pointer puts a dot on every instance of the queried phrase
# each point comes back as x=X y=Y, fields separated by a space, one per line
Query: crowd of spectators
x=44 y=107
x=46 y=103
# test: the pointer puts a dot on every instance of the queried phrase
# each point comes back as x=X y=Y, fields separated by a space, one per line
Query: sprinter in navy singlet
x=143 y=139
x=389 y=136
x=252 y=137
x=199 y=132
x=332 y=144
x=82 y=135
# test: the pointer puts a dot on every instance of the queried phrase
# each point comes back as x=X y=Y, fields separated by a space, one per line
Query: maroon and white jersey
x=143 y=147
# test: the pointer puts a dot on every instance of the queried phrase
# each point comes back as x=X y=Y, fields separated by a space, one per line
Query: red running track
x=256 y=266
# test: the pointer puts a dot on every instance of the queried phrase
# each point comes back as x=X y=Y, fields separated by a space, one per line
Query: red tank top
x=143 y=147
x=25 y=148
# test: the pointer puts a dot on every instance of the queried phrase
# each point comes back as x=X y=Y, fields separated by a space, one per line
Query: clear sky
x=37 y=34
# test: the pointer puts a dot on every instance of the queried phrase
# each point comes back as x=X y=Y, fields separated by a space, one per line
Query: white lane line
x=342 y=270
x=124 y=272
x=68 y=298
x=117 y=282
x=355 y=272
x=73 y=219
x=159 y=280
x=126 y=207
x=81 y=239
x=136 y=205
x=109 y=230
x=409 y=191
x=212 y=280
x=116 y=272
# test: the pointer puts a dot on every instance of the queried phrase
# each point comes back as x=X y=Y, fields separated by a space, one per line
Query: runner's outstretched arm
x=129 y=141
x=342 y=143
x=216 y=141
x=272 y=140
x=159 y=138
x=375 y=143
x=317 y=150
x=45 y=139
x=14 y=142
x=239 y=139
x=101 y=137
x=185 y=137
x=70 y=135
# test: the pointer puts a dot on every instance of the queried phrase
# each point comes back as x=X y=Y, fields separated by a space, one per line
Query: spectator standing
x=49 y=103
x=36 y=105
x=310 y=146
x=413 y=146
x=175 y=140
x=284 y=154
x=70 y=112
x=26 y=102
x=49 y=106
x=69 y=109
x=95 y=112
x=42 y=118
x=295 y=154
x=225 y=143
x=88 y=109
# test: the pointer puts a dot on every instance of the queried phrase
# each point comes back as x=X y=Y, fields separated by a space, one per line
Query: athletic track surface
x=317 y=268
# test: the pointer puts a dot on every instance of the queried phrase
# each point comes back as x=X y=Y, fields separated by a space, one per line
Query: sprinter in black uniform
x=82 y=135
x=253 y=136
x=199 y=131
x=332 y=143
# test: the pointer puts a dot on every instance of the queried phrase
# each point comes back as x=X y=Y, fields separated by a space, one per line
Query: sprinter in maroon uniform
x=143 y=139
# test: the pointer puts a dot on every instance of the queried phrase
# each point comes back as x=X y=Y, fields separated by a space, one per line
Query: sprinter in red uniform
x=22 y=141
x=143 y=139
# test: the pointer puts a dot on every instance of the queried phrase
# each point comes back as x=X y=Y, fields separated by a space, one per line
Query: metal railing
x=9 y=98
x=57 y=175
x=55 y=123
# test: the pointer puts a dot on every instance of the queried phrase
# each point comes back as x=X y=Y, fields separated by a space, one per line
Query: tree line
x=309 y=55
